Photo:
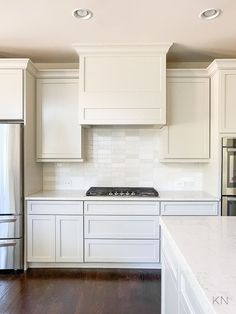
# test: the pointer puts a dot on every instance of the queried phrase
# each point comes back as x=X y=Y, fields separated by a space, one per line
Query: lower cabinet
x=169 y=289
x=54 y=238
x=121 y=232
x=180 y=292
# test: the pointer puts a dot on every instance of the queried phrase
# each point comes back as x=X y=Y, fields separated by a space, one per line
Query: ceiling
x=45 y=30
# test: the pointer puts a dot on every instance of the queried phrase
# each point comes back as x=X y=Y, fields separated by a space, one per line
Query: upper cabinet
x=11 y=94
x=122 y=84
x=12 y=87
x=223 y=74
x=186 y=136
x=59 y=134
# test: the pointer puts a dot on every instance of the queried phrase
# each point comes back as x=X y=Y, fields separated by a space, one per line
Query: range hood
x=122 y=84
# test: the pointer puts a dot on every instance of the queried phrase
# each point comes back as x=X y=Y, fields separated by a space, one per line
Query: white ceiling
x=45 y=30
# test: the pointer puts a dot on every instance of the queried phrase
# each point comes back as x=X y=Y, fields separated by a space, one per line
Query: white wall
x=123 y=156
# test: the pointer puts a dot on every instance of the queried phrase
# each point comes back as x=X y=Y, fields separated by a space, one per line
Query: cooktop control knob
x=110 y=194
x=116 y=193
x=127 y=193
x=122 y=193
x=133 y=194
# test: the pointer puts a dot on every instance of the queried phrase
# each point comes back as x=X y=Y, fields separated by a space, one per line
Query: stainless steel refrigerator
x=11 y=196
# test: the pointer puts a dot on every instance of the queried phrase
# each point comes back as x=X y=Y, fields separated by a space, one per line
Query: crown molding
x=18 y=63
x=122 y=48
x=58 y=73
x=187 y=73
x=221 y=64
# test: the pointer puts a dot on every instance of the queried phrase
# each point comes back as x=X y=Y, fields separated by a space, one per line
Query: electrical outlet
x=67 y=182
x=179 y=184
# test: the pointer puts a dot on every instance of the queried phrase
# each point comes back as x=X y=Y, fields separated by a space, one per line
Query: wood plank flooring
x=69 y=291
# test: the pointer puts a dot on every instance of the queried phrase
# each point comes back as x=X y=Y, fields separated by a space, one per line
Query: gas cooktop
x=122 y=191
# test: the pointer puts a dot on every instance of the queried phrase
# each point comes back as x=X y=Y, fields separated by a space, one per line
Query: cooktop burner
x=122 y=191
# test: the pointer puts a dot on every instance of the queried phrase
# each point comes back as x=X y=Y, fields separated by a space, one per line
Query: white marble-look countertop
x=208 y=247
x=80 y=195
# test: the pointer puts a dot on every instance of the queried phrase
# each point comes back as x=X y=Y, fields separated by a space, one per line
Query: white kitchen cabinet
x=223 y=86
x=121 y=231
x=122 y=84
x=41 y=238
x=189 y=208
x=188 y=298
x=11 y=94
x=69 y=238
x=227 y=101
x=169 y=289
x=53 y=236
x=186 y=136
x=59 y=134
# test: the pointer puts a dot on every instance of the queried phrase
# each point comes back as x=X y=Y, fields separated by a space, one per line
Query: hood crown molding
x=160 y=48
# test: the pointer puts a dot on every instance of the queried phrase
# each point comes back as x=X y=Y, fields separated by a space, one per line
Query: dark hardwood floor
x=68 y=291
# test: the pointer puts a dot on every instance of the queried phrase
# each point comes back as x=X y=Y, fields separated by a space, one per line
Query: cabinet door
x=58 y=129
x=69 y=238
x=227 y=101
x=41 y=238
x=186 y=135
x=11 y=94
x=169 y=290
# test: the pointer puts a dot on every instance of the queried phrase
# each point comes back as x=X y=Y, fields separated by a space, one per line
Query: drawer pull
x=8 y=243
x=5 y=220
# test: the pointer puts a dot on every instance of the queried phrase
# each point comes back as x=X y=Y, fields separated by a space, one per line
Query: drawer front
x=126 y=227
x=118 y=251
x=11 y=254
x=55 y=207
x=121 y=208
x=10 y=226
x=189 y=208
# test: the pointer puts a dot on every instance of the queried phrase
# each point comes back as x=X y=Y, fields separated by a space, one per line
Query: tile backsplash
x=122 y=156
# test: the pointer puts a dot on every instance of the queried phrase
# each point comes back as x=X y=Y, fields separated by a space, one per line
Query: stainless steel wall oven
x=229 y=176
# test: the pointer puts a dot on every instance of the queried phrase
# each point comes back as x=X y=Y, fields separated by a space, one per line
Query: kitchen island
x=198 y=264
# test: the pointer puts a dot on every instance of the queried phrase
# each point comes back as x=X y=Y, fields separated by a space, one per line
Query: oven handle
x=231 y=149
x=7 y=243
x=231 y=199
x=5 y=220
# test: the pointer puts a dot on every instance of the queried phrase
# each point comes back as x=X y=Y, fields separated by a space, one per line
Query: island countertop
x=208 y=247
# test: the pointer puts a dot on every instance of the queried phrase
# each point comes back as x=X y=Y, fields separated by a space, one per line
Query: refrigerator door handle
x=7 y=243
x=6 y=220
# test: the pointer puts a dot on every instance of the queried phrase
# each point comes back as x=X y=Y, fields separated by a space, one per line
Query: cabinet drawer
x=121 y=208
x=55 y=207
x=189 y=208
x=115 y=251
x=127 y=227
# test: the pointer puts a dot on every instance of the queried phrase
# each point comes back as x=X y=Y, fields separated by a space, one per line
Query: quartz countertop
x=207 y=246
x=80 y=195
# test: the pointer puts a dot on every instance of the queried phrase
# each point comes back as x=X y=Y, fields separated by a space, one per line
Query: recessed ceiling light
x=84 y=14
x=209 y=14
